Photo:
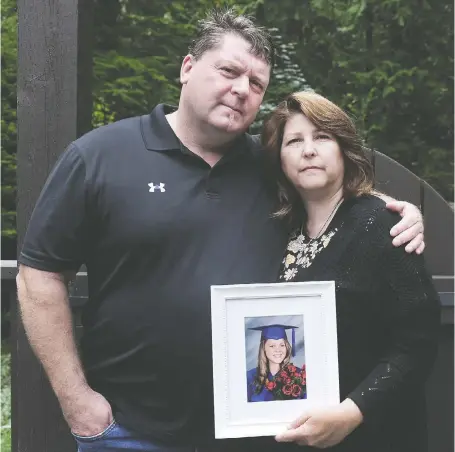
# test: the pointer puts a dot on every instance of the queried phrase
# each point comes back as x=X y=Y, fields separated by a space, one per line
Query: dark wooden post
x=54 y=106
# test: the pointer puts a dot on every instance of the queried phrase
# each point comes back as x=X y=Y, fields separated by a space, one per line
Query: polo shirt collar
x=156 y=131
x=159 y=136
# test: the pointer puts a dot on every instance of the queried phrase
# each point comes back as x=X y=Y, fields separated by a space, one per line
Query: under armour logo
x=154 y=187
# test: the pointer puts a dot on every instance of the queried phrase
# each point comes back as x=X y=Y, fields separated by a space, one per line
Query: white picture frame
x=233 y=309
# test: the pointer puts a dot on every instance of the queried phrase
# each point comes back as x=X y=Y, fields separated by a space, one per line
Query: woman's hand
x=323 y=428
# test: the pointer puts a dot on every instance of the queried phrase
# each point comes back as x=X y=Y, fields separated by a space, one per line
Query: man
x=159 y=208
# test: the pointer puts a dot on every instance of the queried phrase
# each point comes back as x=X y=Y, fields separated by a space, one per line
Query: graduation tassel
x=293 y=341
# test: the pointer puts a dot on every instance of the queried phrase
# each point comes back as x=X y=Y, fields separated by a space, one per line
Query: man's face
x=225 y=87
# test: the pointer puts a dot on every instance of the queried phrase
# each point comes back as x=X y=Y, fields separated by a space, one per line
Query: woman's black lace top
x=388 y=316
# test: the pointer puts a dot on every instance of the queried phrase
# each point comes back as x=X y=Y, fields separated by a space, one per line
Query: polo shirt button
x=212 y=194
x=210 y=189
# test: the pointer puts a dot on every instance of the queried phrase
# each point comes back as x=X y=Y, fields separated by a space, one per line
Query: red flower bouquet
x=288 y=384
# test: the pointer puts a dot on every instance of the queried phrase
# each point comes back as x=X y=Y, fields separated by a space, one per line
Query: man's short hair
x=219 y=23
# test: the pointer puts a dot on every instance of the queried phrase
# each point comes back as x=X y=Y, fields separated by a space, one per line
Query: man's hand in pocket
x=87 y=412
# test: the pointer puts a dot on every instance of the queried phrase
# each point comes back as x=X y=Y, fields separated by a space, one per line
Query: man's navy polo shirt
x=156 y=226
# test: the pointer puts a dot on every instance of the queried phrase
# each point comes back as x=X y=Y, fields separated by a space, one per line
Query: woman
x=275 y=377
x=387 y=308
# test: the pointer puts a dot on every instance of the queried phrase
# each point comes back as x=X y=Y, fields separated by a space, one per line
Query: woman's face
x=311 y=159
x=275 y=350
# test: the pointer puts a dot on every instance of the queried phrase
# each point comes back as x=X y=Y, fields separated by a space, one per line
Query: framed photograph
x=274 y=355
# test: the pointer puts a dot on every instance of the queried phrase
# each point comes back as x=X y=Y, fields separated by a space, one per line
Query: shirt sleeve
x=57 y=232
x=414 y=326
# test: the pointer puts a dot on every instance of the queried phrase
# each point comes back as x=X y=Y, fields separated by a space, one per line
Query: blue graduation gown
x=265 y=395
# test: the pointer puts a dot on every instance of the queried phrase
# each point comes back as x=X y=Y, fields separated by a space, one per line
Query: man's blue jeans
x=118 y=439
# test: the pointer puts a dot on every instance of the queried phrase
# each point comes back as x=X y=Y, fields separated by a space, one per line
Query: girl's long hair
x=263 y=364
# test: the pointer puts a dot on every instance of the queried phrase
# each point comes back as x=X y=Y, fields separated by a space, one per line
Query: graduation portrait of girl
x=275 y=376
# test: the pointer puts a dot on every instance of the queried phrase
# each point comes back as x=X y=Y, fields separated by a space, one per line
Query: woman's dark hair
x=327 y=117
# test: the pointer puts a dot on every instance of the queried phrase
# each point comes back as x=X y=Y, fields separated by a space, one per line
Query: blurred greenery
x=5 y=440
x=389 y=63
x=5 y=417
x=8 y=118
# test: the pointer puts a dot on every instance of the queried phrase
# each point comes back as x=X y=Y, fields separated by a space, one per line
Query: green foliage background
x=5 y=401
x=389 y=63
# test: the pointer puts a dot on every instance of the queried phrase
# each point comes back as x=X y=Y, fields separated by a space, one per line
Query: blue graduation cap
x=276 y=331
